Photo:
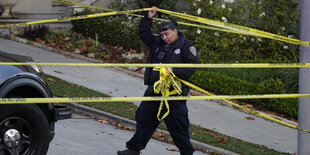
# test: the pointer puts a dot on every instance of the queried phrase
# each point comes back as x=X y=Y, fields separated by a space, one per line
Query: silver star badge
x=177 y=51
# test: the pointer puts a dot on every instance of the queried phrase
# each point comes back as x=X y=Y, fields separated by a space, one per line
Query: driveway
x=85 y=136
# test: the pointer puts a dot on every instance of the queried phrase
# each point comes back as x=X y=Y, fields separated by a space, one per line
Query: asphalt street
x=210 y=115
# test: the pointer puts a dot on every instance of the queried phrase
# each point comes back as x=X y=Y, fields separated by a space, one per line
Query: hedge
x=120 y=30
x=223 y=84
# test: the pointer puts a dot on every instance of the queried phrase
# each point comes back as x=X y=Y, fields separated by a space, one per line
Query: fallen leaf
x=58 y=104
x=222 y=140
x=58 y=72
x=248 y=106
x=83 y=48
x=250 y=118
x=127 y=128
x=119 y=125
x=103 y=121
x=173 y=149
x=108 y=56
x=52 y=44
x=50 y=79
x=138 y=69
x=68 y=56
x=269 y=112
x=132 y=51
x=13 y=37
x=158 y=134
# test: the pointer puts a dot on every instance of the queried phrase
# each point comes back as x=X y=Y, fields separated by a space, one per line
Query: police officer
x=170 y=47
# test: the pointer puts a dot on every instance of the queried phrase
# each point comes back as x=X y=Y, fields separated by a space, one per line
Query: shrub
x=37 y=31
x=290 y=79
x=285 y=106
x=289 y=76
x=222 y=84
x=278 y=17
x=118 y=30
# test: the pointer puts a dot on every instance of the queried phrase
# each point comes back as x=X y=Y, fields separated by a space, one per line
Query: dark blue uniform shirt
x=181 y=51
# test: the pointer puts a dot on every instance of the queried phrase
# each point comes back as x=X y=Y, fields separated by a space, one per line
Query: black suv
x=26 y=128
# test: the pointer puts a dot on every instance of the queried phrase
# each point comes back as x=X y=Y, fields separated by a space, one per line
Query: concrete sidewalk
x=85 y=136
x=210 y=115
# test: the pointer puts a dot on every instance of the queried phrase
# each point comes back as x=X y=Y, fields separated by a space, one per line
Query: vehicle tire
x=23 y=130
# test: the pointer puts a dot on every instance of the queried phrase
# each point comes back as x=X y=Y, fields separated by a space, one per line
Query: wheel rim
x=16 y=136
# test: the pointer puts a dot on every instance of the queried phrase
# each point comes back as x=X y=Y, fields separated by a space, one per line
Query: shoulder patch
x=193 y=50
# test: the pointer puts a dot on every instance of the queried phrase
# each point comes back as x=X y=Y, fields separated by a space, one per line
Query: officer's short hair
x=168 y=25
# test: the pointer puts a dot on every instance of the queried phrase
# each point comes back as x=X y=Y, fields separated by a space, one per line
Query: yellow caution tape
x=154 y=98
x=226 y=27
x=163 y=86
x=237 y=28
x=168 y=78
x=244 y=108
x=75 y=18
x=159 y=19
x=264 y=65
x=157 y=98
x=241 y=65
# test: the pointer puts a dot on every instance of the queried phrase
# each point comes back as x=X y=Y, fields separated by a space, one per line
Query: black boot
x=128 y=152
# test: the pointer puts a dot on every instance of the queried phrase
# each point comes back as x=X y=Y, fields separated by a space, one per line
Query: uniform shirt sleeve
x=146 y=34
x=189 y=56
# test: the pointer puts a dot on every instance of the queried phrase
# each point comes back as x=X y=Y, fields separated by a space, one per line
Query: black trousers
x=177 y=123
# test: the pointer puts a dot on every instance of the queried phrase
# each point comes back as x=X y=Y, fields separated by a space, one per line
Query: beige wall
x=33 y=5
x=103 y=3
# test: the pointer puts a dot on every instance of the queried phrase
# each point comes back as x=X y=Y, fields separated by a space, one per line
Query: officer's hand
x=152 y=12
x=168 y=70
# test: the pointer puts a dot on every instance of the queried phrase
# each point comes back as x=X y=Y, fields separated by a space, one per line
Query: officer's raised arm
x=152 y=13
x=145 y=32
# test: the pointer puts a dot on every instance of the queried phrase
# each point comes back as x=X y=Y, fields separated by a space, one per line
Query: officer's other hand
x=152 y=12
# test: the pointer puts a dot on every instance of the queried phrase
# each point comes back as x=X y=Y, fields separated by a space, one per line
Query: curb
x=127 y=122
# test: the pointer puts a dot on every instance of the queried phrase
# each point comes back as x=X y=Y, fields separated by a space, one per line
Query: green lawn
x=61 y=88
